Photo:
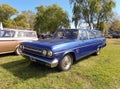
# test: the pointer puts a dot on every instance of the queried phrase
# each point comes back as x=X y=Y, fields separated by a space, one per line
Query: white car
x=11 y=38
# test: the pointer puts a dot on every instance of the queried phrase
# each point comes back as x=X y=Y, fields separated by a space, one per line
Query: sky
x=21 y=5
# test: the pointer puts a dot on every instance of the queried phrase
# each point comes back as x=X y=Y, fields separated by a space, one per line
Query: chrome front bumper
x=50 y=63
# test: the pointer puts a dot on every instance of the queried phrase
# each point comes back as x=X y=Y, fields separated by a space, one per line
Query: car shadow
x=24 y=69
x=7 y=54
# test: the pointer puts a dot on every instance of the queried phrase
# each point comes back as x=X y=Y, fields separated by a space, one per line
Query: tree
x=30 y=18
x=6 y=12
x=25 y=19
x=107 y=28
x=115 y=26
x=10 y=23
x=50 y=18
x=21 y=21
x=92 y=12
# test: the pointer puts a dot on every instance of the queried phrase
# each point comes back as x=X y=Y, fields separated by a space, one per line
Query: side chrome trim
x=76 y=48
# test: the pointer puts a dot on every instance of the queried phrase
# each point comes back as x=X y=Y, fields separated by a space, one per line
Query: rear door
x=92 y=41
x=86 y=44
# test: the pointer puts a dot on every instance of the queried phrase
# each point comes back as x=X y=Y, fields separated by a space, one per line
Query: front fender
x=61 y=55
x=68 y=51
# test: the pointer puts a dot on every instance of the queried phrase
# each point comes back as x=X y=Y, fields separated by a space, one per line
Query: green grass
x=93 y=72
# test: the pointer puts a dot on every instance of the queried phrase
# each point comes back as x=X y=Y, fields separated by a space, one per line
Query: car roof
x=93 y=30
x=8 y=29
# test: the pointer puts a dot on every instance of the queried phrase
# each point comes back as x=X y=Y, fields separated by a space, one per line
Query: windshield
x=66 y=33
x=6 y=33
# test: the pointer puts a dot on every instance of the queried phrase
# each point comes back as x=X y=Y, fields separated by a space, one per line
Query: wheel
x=66 y=63
x=97 y=51
x=18 y=51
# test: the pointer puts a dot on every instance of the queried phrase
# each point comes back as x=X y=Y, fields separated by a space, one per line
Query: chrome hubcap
x=98 y=51
x=18 y=51
x=66 y=62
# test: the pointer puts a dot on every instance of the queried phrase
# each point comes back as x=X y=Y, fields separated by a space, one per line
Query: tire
x=97 y=51
x=66 y=63
x=18 y=51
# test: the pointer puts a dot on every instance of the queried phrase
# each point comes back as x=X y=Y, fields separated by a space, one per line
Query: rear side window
x=30 y=34
x=21 y=34
x=26 y=34
x=91 y=35
x=98 y=34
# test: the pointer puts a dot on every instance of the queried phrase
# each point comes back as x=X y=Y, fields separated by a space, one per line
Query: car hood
x=55 y=45
x=48 y=43
x=52 y=42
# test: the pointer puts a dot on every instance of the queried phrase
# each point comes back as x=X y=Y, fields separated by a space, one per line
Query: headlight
x=50 y=53
x=44 y=52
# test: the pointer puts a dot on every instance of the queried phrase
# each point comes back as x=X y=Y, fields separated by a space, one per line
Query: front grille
x=32 y=51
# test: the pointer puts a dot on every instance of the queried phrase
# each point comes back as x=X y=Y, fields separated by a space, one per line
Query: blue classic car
x=65 y=47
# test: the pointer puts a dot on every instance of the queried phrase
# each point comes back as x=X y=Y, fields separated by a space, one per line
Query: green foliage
x=50 y=18
x=92 y=12
x=6 y=12
x=115 y=26
x=21 y=21
x=10 y=23
x=93 y=72
x=106 y=28
x=25 y=19
x=30 y=18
